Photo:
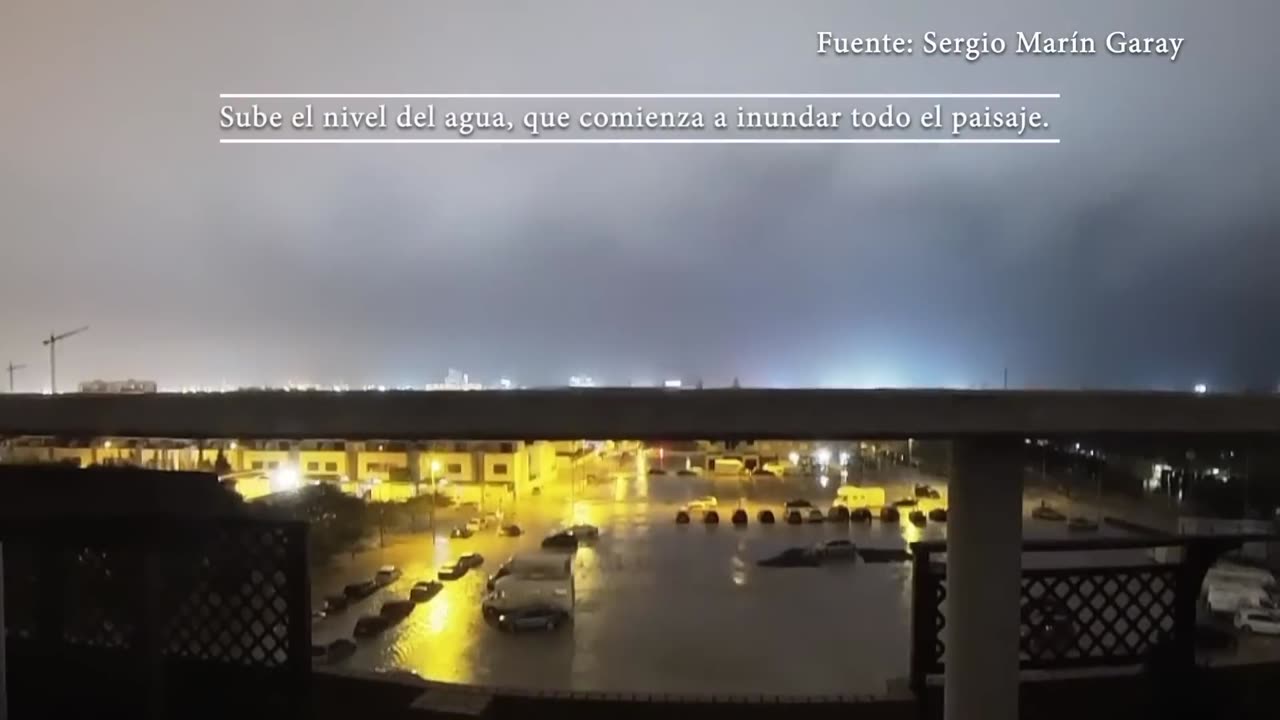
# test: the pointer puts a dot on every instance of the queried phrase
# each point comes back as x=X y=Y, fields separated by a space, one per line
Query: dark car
x=906 y=502
x=511 y=531
x=889 y=513
x=837 y=550
x=396 y=610
x=1044 y=512
x=360 y=590
x=792 y=557
x=370 y=625
x=425 y=590
x=462 y=531
x=534 y=618
x=917 y=518
x=925 y=491
x=687 y=473
x=560 y=541
x=471 y=560
x=452 y=571
x=336 y=603
x=938 y=514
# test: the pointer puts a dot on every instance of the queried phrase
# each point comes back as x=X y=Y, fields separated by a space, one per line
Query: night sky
x=1143 y=251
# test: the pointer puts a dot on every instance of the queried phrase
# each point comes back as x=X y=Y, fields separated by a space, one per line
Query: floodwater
x=661 y=608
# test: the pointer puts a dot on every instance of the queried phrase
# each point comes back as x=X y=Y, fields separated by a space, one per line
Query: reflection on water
x=657 y=612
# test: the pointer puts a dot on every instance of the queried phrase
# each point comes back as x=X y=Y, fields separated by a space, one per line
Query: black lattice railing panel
x=238 y=613
x=1095 y=616
x=1070 y=617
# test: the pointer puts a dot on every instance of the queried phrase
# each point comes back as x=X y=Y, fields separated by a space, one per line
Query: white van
x=853 y=497
x=1223 y=597
x=532 y=580
x=1241 y=575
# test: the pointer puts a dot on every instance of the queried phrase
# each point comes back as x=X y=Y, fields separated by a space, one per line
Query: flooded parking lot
x=664 y=607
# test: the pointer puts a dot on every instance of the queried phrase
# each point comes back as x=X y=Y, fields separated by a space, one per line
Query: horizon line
x=625 y=96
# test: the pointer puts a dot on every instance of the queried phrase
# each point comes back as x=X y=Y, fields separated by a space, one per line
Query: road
x=662 y=607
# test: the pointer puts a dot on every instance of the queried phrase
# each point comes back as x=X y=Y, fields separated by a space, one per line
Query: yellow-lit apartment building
x=378 y=470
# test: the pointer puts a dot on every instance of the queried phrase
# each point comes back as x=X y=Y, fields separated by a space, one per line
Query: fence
x=1080 y=617
x=156 y=615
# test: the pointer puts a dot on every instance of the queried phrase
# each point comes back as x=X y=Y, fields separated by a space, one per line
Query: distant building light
x=505 y=383
x=1201 y=388
x=844 y=458
x=823 y=456
x=824 y=481
x=671 y=383
x=794 y=457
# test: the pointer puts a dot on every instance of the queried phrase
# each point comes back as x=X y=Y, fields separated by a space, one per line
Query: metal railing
x=1081 y=617
x=152 y=611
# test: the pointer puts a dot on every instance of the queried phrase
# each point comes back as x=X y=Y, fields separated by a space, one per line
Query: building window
x=257 y=464
x=507 y=447
x=499 y=468
x=453 y=468
x=374 y=467
x=273 y=464
x=331 y=467
x=313 y=467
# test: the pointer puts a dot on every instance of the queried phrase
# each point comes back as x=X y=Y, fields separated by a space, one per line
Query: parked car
x=889 y=513
x=703 y=503
x=471 y=560
x=1081 y=524
x=532 y=618
x=386 y=575
x=1258 y=620
x=511 y=531
x=336 y=604
x=797 y=505
x=837 y=550
x=924 y=491
x=475 y=524
x=792 y=557
x=370 y=625
x=860 y=514
x=917 y=518
x=938 y=515
x=396 y=610
x=687 y=473
x=462 y=531
x=1044 y=512
x=425 y=590
x=816 y=516
x=584 y=531
x=906 y=502
x=563 y=540
x=360 y=590
x=452 y=571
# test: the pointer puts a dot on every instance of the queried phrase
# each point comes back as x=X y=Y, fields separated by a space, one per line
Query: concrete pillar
x=984 y=567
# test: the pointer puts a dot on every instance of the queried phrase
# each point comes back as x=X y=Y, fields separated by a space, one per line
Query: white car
x=1258 y=620
x=475 y=525
x=703 y=504
x=386 y=575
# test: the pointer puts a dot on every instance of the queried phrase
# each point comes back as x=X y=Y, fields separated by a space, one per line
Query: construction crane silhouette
x=11 y=370
x=52 y=342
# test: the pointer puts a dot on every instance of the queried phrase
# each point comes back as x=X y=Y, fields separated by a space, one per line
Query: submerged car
x=462 y=531
x=1044 y=512
x=360 y=590
x=583 y=531
x=791 y=558
x=1258 y=620
x=452 y=571
x=370 y=625
x=425 y=590
x=511 y=531
x=471 y=560
x=561 y=541
x=386 y=575
x=1081 y=524
x=703 y=503
x=837 y=550
x=336 y=604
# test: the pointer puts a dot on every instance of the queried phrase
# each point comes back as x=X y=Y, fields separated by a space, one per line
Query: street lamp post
x=435 y=468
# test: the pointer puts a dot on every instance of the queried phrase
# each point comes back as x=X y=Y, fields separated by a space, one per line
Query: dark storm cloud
x=1139 y=252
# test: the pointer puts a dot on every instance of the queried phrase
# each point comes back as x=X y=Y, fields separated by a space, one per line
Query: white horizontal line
x=639 y=141
x=640 y=96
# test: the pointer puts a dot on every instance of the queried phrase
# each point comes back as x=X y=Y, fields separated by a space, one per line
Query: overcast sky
x=1143 y=251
